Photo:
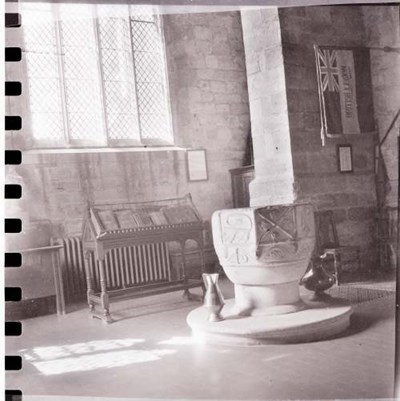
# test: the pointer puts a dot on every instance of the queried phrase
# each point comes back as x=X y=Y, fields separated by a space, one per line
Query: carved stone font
x=265 y=251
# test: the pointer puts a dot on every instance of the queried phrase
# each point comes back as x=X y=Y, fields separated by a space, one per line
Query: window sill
x=105 y=150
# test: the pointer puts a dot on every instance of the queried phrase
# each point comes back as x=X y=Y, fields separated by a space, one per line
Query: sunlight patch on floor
x=62 y=351
x=103 y=360
x=90 y=355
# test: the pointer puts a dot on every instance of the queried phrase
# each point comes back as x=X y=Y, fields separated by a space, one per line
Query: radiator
x=125 y=267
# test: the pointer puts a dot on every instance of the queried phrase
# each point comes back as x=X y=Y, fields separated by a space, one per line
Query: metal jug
x=213 y=298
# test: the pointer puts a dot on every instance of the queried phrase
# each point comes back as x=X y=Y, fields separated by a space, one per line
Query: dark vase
x=317 y=279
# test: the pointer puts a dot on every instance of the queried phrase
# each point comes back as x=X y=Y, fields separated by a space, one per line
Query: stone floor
x=149 y=354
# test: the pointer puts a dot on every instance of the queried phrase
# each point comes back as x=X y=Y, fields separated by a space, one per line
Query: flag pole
x=382 y=187
x=397 y=316
x=390 y=128
x=320 y=96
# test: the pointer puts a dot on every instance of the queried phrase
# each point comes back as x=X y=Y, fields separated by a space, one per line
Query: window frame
x=106 y=142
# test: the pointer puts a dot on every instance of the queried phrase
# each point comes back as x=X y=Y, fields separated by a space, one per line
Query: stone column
x=274 y=177
x=265 y=249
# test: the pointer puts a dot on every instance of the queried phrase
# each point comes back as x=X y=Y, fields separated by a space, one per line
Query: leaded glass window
x=96 y=75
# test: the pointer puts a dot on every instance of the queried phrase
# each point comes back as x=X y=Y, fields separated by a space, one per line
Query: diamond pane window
x=151 y=80
x=81 y=73
x=118 y=75
x=153 y=119
x=97 y=75
x=42 y=73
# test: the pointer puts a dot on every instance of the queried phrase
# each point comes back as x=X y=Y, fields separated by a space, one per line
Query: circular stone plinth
x=319 y=320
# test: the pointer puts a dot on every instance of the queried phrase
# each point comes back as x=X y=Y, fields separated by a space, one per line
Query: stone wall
x=382 y=26
x=351 y=196
x=210 y=110
x=290 y=158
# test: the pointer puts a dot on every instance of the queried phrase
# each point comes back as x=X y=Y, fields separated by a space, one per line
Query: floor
x=149 y=354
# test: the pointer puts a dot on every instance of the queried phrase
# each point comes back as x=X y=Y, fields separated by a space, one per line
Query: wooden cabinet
x=241 y=178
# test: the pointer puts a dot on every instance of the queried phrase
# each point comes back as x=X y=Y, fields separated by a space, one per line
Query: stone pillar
x=265 y=249
x=274 y=177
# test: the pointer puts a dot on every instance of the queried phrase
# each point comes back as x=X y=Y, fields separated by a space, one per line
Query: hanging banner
x=344 y=84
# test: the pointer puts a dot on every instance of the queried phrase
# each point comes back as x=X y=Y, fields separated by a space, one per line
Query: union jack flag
x=344 y=90
x=329 y=70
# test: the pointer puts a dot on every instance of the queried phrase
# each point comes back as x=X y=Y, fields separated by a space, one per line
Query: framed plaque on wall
x=196 y=160
x=345 y=158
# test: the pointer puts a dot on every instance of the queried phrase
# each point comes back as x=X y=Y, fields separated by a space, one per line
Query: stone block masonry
x=352 y=196
x=382 y=26
x=290 y=161
x=209 y=102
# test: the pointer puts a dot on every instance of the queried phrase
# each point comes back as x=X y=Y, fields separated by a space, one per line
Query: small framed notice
x=345 y=158
x=197 y=165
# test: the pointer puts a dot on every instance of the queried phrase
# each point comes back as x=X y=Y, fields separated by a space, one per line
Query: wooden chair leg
x=338 y=267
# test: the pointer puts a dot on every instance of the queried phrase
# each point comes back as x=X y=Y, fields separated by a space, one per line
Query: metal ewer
x=213 y=298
